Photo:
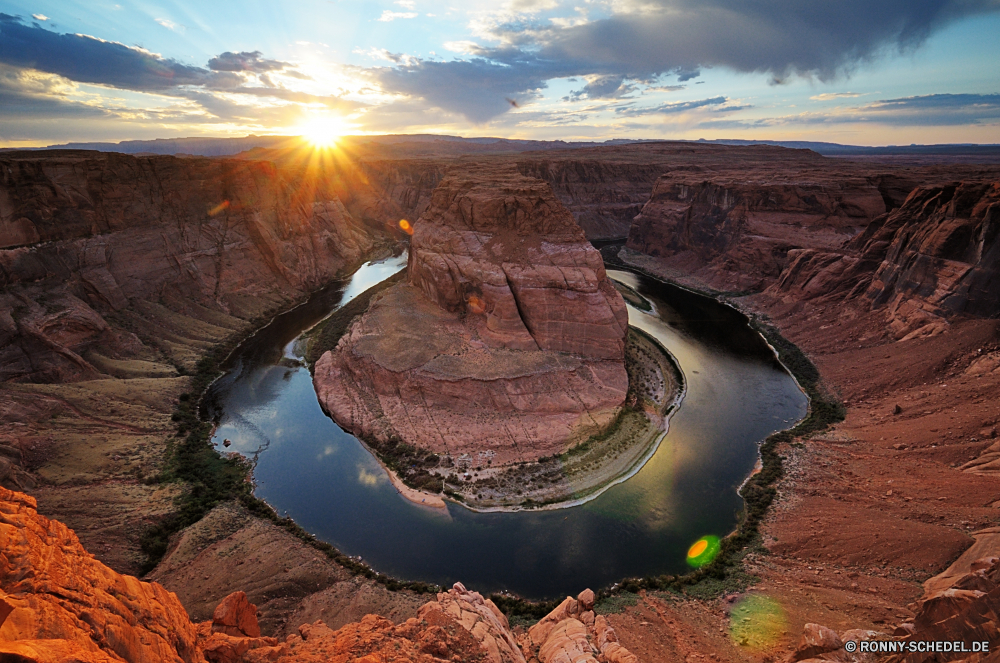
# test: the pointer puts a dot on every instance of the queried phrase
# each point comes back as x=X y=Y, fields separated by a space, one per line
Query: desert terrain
x=126 y=280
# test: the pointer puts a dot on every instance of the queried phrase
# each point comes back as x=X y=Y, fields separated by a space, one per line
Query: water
x=311 y=470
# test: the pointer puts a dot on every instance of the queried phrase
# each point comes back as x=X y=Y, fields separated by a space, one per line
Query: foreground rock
x=57 y=603
x=506 y=345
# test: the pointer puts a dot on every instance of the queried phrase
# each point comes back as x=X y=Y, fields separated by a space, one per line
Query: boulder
x=236 y=616
x=816 y=640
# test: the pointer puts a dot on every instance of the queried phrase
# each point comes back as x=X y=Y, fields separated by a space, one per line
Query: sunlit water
x=311 y=470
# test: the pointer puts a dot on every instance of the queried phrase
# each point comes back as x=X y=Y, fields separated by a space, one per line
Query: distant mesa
x=508 y=335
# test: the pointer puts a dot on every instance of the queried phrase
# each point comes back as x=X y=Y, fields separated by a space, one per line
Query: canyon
x=508 y=336
x=120 y=273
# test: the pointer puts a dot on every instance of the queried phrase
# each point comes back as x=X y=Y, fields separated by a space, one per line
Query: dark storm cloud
x=812 y=37
x=91 y=60
x=245 y=61
x=816 y=38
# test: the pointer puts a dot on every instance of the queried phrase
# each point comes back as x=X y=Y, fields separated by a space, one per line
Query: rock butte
x=57 y=603
x=507 y=338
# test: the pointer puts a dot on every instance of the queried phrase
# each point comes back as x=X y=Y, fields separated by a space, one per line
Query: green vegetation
x=211 y=479
x=325 y=335
x=615 y=603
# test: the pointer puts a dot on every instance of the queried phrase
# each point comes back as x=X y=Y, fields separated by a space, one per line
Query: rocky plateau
x=118 y=274
x=507 y=339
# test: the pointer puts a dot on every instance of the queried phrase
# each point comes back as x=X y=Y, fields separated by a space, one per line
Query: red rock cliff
x=734 y=229
x=934 y=258
x=84 y=235
x=509 y=338
x=57 y=603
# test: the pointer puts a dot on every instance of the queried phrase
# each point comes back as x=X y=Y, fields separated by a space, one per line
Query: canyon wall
x=508 y=338
x=98 y=250
x=934 y=258
x=602 y=194
x=734 y=230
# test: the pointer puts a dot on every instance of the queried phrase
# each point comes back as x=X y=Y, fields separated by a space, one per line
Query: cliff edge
x=505 y=345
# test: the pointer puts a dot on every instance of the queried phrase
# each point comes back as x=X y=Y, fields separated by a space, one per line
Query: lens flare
x=219 y=209
x=757 y=622
x=405 y=226
x=476 y=305
x=703 y=551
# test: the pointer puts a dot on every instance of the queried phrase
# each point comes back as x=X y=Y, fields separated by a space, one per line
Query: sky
x=862 y=72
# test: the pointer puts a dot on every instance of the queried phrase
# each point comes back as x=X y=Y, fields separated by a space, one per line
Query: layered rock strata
x=88 y=242
x=735 y=230
x=508 y=340
x=57 y=603
x=934 y=258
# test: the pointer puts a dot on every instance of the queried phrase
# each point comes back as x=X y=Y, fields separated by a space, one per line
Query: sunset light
x=323 y=131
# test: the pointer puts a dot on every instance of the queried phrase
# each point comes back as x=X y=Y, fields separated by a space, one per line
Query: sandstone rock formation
x=572 y=633
x=509 y=337
x=735 y=229
x=57 y=603
x=61 y=602
x=934 y=258
x=87 y=235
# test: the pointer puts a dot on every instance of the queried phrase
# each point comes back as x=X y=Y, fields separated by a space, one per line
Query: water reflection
x=325 y=479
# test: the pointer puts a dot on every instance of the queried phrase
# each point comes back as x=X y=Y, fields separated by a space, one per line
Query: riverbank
x=586 y=470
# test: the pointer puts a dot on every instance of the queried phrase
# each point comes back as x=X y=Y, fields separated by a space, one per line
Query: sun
x=322 y=132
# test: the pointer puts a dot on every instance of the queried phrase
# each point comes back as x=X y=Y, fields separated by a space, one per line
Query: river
x=310 y=469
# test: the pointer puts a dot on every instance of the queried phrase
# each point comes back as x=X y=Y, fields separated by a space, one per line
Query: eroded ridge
x=507 y=343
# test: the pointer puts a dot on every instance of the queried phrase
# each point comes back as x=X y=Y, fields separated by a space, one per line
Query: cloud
x=477 y=88
x=821 y=38
x=40 y=17
x=26 y=95
x=245 y=61
x=937 y=110
x=88 y=59
x=643 y=39
x=603 y=87
x=829 y=96
x=169 y=25
x=388 y=15
x=676 y=107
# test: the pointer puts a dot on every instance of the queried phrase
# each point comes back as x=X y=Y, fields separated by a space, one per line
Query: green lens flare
x=757 y=622
x=703 y=551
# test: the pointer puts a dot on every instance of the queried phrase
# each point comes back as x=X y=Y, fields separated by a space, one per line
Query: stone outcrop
x=936 y=257
x=57 y=603
x=62 y=603
x=735 y=229
x=508 y=337
x=88 y=240
x=478 y=616
x=573 y=633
